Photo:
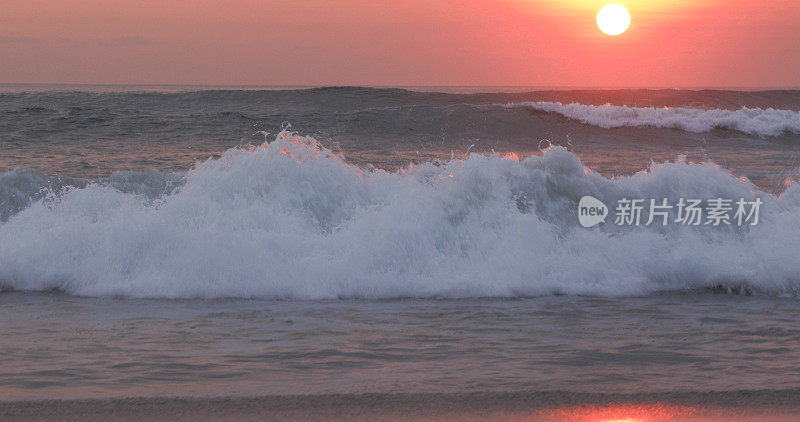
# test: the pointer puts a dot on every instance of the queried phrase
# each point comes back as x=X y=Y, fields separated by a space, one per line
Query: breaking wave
x=752 y=121
x=290 y=219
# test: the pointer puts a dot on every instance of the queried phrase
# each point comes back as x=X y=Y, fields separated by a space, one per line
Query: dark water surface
x=96 y=133
x=56 y=346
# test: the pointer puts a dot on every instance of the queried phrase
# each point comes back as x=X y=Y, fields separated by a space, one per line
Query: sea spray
x=291 y=219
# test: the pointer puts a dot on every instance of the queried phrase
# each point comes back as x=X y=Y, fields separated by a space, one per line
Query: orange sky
x=677 y=43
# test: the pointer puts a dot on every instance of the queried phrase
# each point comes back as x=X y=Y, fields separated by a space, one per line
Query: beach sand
x=760 y=405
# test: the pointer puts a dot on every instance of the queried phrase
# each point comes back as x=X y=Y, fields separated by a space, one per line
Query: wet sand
x=761 y=405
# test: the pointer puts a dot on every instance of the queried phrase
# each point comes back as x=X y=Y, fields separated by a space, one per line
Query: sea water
x=161 y=242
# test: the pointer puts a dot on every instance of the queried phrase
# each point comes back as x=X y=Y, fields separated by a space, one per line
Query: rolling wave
x=752 y=121
x=290 y=219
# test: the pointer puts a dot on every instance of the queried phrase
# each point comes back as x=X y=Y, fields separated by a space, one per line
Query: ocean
x=400 y=245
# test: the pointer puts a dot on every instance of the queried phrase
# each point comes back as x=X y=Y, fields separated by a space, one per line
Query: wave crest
x=291 y=219
x=752 y=121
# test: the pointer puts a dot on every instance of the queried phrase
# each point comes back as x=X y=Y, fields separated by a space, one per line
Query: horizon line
x=410 y=87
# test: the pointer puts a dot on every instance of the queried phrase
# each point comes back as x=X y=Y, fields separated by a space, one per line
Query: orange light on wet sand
x=613 y=19
x=625 y=412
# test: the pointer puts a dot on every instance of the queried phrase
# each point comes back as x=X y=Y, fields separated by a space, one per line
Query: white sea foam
x=292 y=220
x=753 y=121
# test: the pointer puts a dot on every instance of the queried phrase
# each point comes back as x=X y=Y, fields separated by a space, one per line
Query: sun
x=613 y=19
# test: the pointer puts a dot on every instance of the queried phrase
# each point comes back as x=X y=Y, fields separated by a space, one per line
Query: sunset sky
x=678 y=43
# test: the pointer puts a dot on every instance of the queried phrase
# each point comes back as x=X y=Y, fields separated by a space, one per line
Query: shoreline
x=744 y=405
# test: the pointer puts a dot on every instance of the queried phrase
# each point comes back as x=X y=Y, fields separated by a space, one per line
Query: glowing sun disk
x=613 y=19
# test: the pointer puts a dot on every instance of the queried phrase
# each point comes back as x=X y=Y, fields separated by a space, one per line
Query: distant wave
x=753 y=121
x=290 y=219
